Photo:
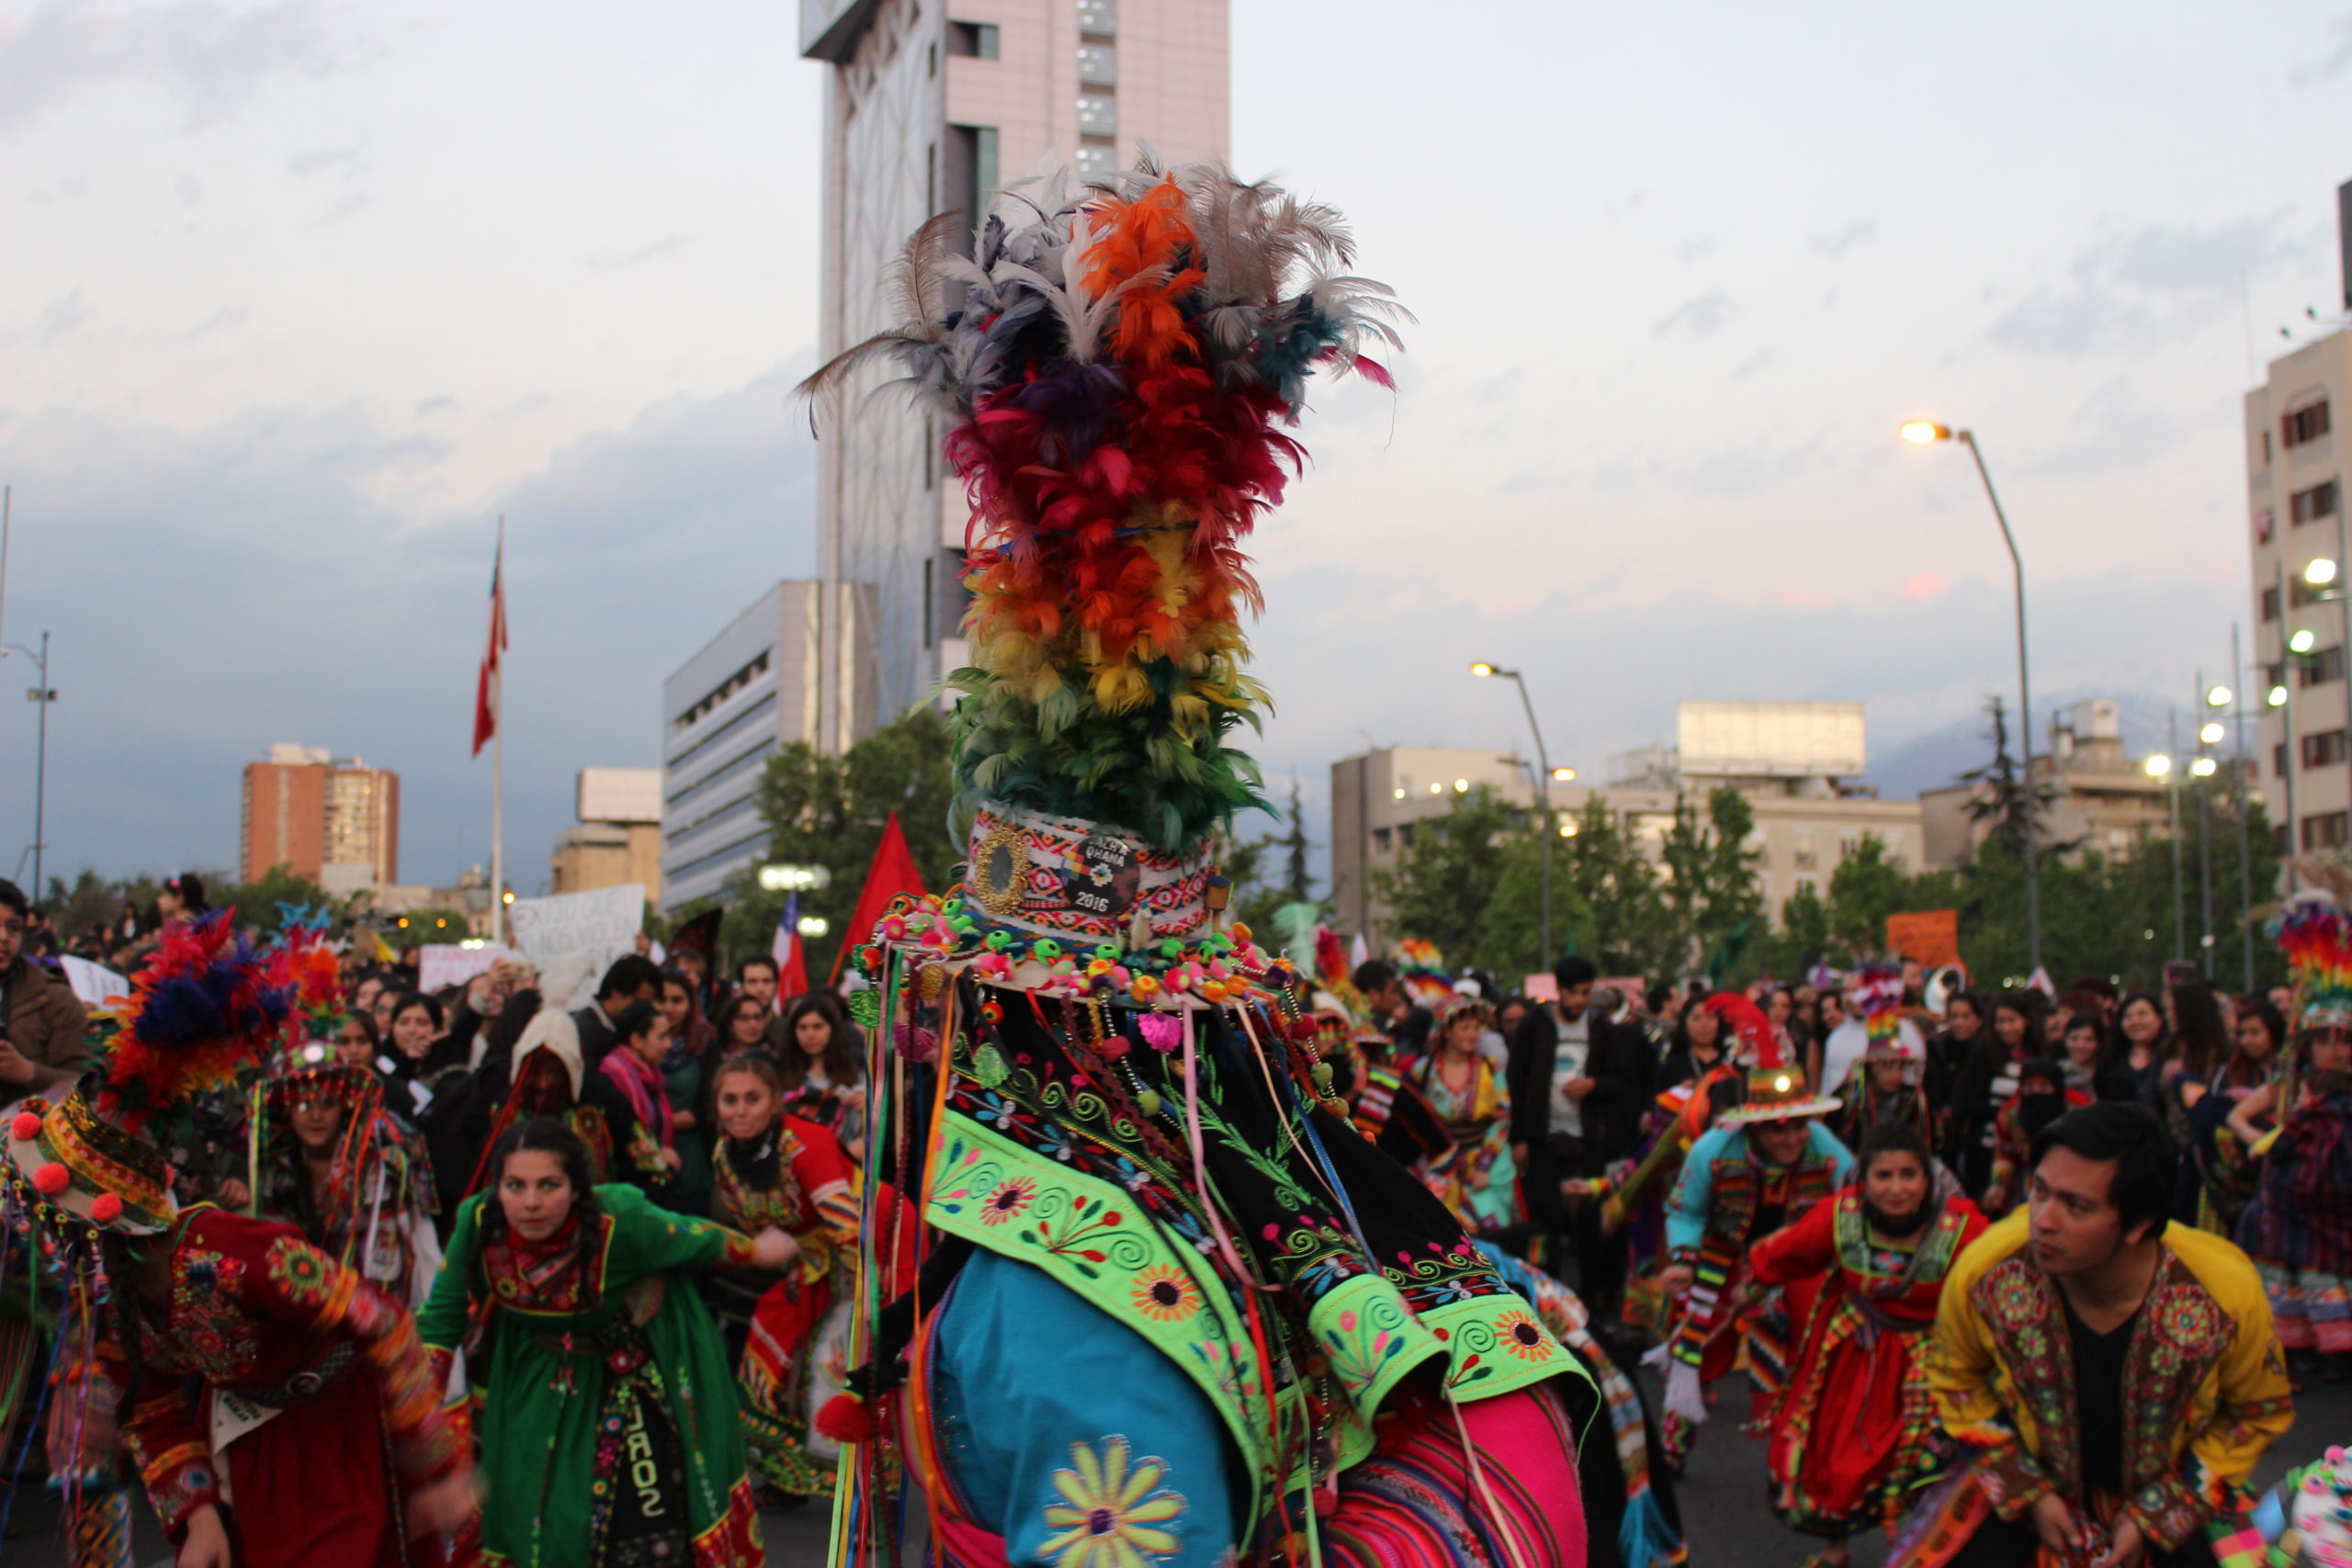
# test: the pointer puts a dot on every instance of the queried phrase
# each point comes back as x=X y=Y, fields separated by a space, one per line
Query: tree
x=1446 y=873
x=830 y=811
x=265 y=902
x=1606 y=898
x=1708 y=888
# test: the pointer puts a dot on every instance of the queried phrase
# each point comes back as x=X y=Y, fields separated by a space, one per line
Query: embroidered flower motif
x=1520 y=1335
x=1164 y=1293
x=300 y=1270
x=1110 y=1514
x=1009 y=1201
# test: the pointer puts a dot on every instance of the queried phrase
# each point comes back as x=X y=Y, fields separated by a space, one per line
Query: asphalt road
x=1723 y=1500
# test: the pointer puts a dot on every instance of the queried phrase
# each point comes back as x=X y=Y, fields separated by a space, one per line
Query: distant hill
x=1939 y=758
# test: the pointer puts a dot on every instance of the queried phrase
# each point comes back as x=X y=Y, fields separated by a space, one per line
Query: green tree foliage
x=830 y=811
x=261 y=905
x=1708 y=888
x=1448 y=873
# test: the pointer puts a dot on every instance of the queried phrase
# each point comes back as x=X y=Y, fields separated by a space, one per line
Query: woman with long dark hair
x=1476 y=1176
x=1986 y=1081
x=688 y=1075
x=627 y=1087
x=2141 y=1046
x=823 y=1066
x=2218 y=1176
x=609 y=1431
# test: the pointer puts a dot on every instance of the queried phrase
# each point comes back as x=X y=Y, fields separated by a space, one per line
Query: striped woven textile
x=1415 y=1499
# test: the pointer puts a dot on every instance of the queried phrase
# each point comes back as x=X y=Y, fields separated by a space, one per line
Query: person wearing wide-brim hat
x=281 y=1410
x=1764 y=1163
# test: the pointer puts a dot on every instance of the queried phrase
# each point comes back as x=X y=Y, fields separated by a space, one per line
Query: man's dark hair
x=2147 y=1167
x=12 y=897
x=1371 y=974
x=757 y=961
x=629 y=974
x=1572 y=971
x=1660 y=999
x=634 y=1022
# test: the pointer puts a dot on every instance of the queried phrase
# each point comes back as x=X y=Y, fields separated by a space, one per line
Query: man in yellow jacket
x=2110 y=1379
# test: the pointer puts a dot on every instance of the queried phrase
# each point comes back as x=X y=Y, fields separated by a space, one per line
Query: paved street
x=1723 y=1503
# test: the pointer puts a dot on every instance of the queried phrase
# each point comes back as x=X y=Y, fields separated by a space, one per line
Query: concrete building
x=2295 y=479
x=751 y=689
x=1806 y=822
x=335 y=821
x=2099 y=798
x=929 y=108
x=618 y=839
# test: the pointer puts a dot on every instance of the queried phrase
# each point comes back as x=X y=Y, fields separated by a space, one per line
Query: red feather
x=1748 y=1023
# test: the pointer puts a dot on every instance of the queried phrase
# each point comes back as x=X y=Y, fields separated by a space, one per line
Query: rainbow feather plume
x=204 y=1005
x=1116 y=368
x=2315 y=933
x=1878 y=996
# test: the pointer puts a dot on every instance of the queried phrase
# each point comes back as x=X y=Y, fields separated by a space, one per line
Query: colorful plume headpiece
x=1422 y=969
x=203 y=1005
x=1115 y=366
x=303 y=965
x=1747 y=1024
x=1878 y=999
x=2314 y=932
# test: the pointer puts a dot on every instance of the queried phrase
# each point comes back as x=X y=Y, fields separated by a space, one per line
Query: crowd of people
x=631 y=1228
x=1887 y=1195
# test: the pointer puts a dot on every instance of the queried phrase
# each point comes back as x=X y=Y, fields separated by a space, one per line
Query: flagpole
x=498 y=766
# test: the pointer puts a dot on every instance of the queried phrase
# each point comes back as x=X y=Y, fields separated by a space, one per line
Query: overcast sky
x=300 y=297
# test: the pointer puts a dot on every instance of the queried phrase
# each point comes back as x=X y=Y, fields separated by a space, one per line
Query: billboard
x=620 y=794
x=1777 y=739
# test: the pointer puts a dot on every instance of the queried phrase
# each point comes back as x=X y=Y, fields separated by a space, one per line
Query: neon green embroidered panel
x=1092 y=1236
x=1498 y=1345
x=1494 y=1345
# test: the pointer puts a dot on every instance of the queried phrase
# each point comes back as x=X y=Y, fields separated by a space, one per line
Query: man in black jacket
x=632 y=978
x=1578 y=1086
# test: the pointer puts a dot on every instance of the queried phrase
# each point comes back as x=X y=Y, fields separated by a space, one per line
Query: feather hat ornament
x=2314 y=932
x=1116 y=365
x=1758 y=1040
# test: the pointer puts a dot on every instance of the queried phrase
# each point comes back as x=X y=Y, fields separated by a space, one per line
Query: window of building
x=2326 y=830
x=971 y=40
x=2326 y=665
x=2306 y=423
x=2265 y=449
x=1096 y=159
x=2299 y=593
x=1098 y=19
x=2270 y=603
x=1098 y=114
x=2311 y=505
x=2325 y=750
x=724 y=690
x=1098 y=66
x=1405 y=836
x=2278 y=760
x=1383 y=840
x=2264 y=522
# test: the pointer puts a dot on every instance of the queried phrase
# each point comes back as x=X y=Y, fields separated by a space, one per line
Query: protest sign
x=1929 y=936
x=443 y=964
x=600 y=925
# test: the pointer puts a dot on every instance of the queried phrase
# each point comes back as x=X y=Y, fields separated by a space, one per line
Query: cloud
x=1837 y=241
x=1924 y=585
x=343 y=163
x=223 y=321
x=60 y=318
x=1702 y=315
x=2331 y=64
x=2137 y=292
x=261 y=550
x=2112 y=431
x=659 y=250
x=210 y=58
x=1752 y=363
x=441 y=404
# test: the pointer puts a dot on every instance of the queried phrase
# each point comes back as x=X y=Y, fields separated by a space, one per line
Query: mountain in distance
x=1938 y=757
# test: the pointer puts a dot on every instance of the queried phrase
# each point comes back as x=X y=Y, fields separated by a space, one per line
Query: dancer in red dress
x=1849 y=1429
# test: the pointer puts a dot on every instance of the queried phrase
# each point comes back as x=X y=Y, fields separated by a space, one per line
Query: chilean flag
x=791 y=970
x=486 y=694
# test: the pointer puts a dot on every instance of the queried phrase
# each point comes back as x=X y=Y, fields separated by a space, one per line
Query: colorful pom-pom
x=25 y=1128
x=105 y=1208
x=52 y=1178
x=845 y=1419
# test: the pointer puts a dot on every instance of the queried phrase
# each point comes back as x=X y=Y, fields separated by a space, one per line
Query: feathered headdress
x=2314 y=932
x=203 y=1005
x=1116 y=366
x=302 y=965
x=1878 y=999
x=1748 y=1026
x=1422 y=969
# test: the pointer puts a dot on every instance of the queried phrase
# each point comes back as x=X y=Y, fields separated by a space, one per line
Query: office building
x=750 y=690
x=928 y=109
x=1779 y=756
x=618 y=839
x=336 y=822
x=2295 y=478
x=2094 y=796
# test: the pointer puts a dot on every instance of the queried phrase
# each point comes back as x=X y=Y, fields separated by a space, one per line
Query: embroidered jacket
x=1724 y=1186
x=254 y=1307
x=2205 y=1390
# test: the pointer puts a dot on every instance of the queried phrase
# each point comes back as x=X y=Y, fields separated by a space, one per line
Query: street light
x=2277 y=697
x=2320 y=572
x=2218 y=697
x=1924 y=432
x=1546 y=773
x=2211 y=735
x=45 y=694
x=2158 y=766
x=2302 y=641
x=2204 y=767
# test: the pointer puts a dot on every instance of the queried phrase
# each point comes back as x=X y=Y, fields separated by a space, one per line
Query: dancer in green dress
x=611 y=1434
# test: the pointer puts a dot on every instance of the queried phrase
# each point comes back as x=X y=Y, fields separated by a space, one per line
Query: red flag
x=486 y=694
x=893 y=872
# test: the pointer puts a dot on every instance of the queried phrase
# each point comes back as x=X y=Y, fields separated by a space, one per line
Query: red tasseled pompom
x=51 y=1179
x=845 y=1419
x=25 y=1128
x=105 y=1208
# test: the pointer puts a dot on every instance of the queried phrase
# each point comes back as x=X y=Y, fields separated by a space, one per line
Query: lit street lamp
x=2159 y=766
x=1923 y=433
x=1544 y=775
